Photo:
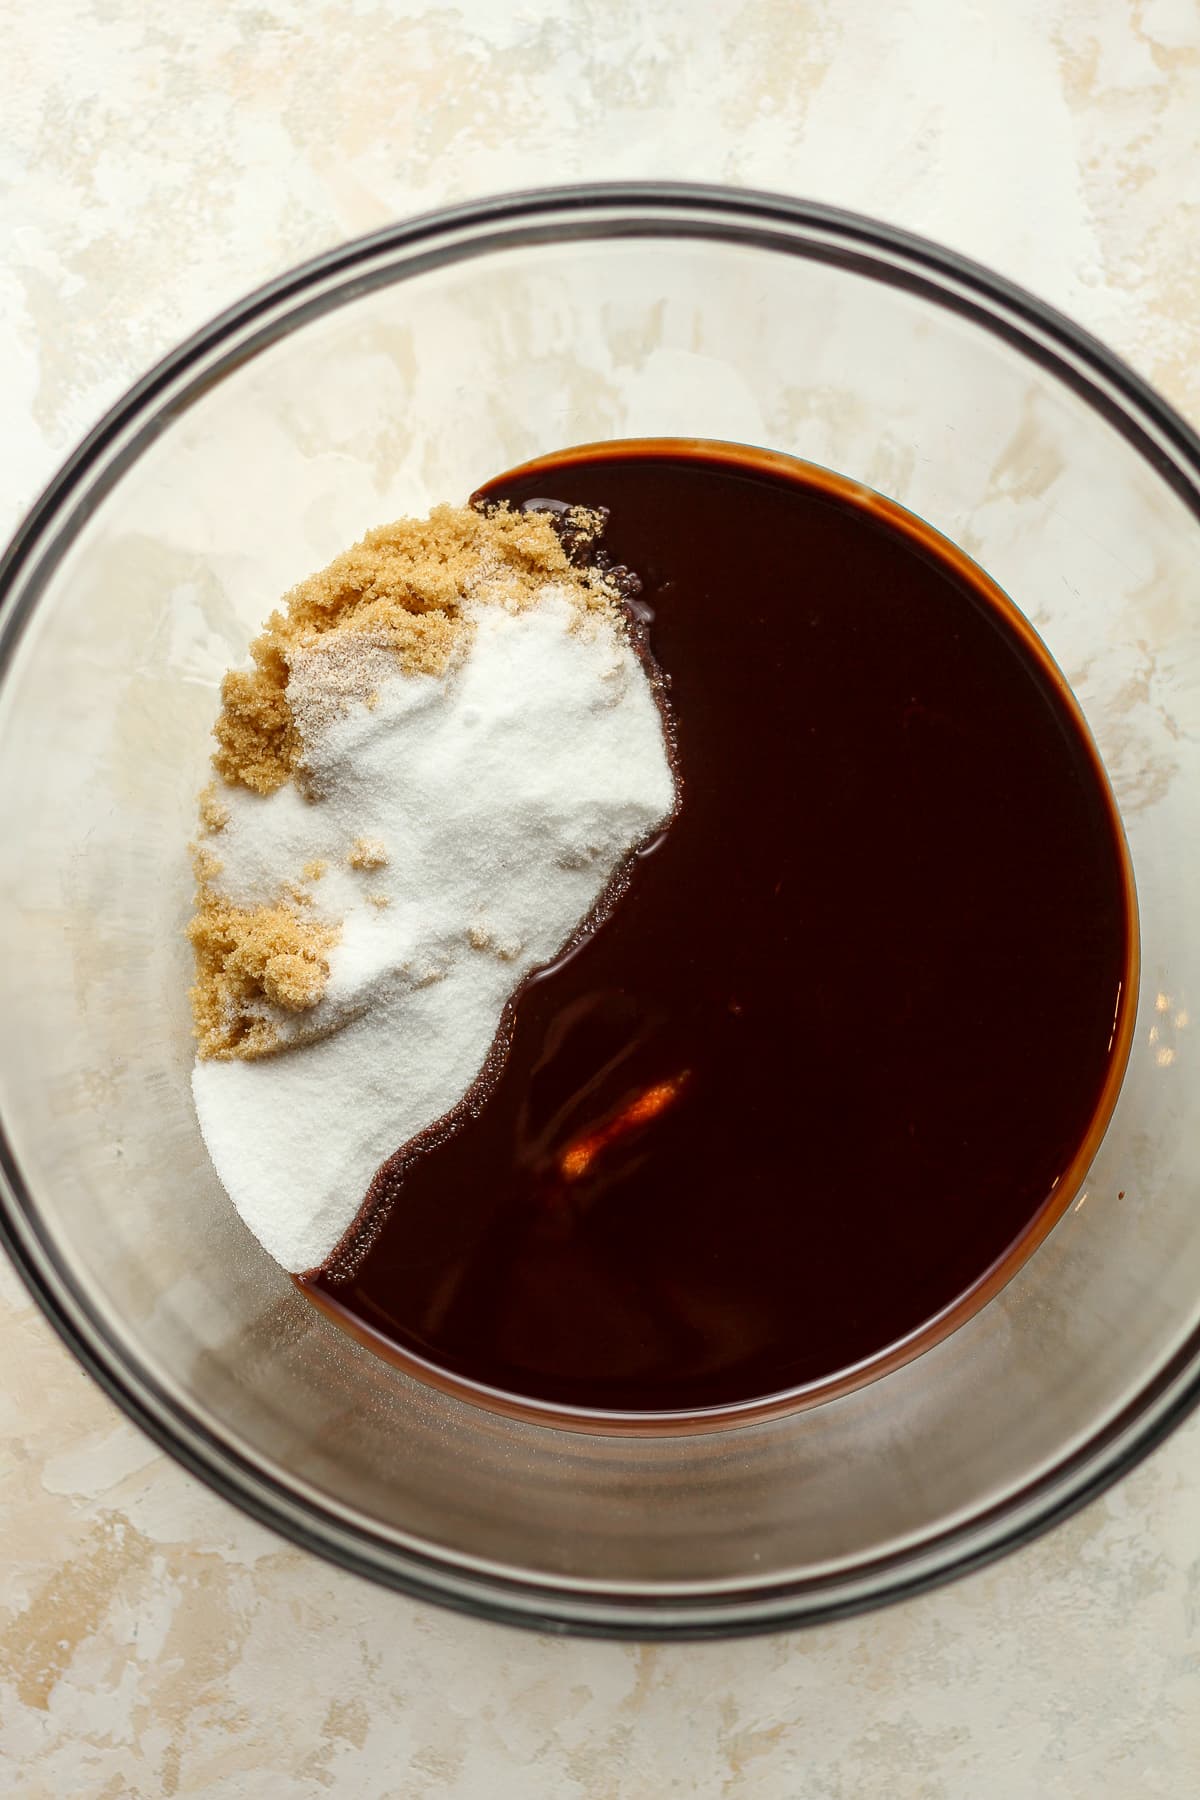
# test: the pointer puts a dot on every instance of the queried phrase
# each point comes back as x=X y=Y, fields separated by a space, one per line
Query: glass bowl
x=407 y=368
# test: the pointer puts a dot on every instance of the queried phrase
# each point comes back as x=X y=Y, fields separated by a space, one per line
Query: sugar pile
x=452 y=831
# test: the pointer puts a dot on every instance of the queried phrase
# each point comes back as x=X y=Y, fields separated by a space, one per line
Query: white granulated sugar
x=504 y=795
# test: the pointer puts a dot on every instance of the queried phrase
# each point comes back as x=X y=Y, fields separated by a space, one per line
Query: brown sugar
x=249 y=960
x=214 y=814
x=367 y=853
x=401 y=592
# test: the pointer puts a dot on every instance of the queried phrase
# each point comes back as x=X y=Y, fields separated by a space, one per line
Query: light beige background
x=156 y=161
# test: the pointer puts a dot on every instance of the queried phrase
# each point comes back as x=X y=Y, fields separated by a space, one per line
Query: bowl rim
x=463 y=232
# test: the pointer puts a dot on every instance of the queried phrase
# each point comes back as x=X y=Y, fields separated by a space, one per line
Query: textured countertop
x=155 y=163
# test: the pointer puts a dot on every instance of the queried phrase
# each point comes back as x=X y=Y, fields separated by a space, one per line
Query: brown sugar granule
x=245 y=959
x=367 y=853
x=379 y=900
x=206 y=866
x=248 y=959
x=313 y=871
x=399 y=595
x=294 y=893
x=258 y=744
x=214 y=814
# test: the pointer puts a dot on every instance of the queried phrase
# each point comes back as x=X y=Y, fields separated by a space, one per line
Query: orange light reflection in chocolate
x=578 y=1157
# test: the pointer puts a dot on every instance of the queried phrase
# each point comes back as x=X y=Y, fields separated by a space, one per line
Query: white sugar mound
x=504 y=797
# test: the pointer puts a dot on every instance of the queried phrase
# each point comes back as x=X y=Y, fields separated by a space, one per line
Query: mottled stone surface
x=156 y=162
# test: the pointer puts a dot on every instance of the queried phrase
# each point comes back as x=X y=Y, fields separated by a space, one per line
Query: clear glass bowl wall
x=403 y=371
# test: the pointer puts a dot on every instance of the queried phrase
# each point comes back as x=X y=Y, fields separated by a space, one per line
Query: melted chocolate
x=839 y=1055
